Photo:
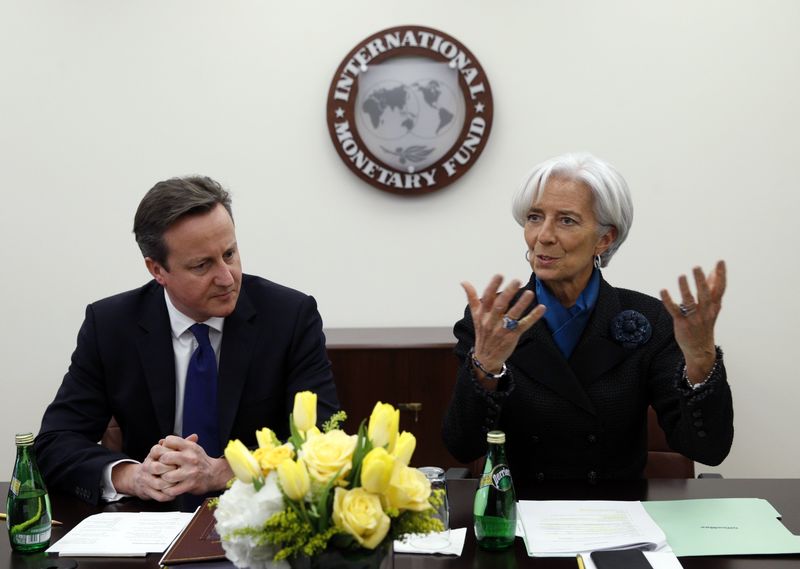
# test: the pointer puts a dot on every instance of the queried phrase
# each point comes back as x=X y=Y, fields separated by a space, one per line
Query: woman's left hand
x=694 y=319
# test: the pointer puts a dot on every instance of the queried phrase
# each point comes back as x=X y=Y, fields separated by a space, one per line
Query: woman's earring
x=597 y=261
x=528 y=255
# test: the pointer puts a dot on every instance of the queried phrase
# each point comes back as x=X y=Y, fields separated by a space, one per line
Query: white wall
x=695 y=102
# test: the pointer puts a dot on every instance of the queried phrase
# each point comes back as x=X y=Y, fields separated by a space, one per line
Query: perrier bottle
x=495 y=502
x=28 y=505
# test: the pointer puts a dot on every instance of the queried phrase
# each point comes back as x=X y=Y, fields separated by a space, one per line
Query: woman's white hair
x=612 y=199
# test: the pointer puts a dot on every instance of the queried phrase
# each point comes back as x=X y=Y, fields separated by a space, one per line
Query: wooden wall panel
x=402 y=366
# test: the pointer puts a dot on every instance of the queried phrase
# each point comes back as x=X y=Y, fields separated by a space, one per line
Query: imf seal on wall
x=410 y=110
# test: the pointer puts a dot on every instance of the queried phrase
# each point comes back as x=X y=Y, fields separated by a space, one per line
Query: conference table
x=784 y=494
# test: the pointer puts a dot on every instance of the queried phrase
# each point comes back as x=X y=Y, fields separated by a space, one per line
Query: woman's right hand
x=494 y=342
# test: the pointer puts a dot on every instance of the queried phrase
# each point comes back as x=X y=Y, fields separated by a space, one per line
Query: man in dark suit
x=140 y=358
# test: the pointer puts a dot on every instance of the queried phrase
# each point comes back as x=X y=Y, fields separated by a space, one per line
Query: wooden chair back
x=662 y=461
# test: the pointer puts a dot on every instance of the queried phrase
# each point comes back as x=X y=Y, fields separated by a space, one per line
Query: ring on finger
x=687 y=309
x=510 y=323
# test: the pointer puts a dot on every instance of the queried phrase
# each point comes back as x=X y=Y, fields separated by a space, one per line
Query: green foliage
x=294 y=535
x=296 y=438
x=334 y=422
x=323 y=503
x=258 y=535
x=363 y=446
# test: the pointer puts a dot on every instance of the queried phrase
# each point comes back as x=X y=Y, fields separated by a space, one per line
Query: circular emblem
x=409 y=110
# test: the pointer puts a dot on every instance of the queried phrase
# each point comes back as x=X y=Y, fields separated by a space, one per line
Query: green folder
x=722 y=526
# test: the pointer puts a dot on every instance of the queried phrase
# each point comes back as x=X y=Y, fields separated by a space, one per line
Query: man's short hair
x=169 y=201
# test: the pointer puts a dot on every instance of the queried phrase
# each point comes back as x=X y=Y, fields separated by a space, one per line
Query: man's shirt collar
x=180 y=323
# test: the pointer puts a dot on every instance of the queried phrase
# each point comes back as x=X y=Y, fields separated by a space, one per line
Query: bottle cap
x=24 y=439
x=496 y=437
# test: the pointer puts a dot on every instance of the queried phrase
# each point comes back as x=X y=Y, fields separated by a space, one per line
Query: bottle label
x=32 y=537
x=499 y=477
x=14 y=486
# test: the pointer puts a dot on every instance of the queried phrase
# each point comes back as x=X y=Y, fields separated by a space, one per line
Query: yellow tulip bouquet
x=323 y=490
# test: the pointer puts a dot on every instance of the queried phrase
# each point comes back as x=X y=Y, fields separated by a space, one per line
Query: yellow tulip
x=384 y=423
x=376 y=470
x=404 y=449
x=294 y=480
x=304 y=413
x=360 y=514
x=266 y=438
x=244 y=465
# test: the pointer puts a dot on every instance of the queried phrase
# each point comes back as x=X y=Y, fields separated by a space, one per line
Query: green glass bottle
x=495 y=506
x=28 y=514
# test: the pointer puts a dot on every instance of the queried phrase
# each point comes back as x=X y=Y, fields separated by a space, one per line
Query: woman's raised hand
x=694 y=319
x=498 y=325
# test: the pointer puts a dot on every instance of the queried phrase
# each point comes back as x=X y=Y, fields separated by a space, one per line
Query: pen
x=53 y=522
x=580 y=561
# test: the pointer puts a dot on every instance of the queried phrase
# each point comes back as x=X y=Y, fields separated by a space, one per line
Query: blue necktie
x=200 y=395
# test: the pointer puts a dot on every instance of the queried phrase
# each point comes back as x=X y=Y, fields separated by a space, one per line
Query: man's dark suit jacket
x=586 y=417
x=123 y=366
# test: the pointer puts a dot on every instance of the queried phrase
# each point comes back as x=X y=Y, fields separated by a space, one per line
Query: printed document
x=122 y=534
x=564 y=528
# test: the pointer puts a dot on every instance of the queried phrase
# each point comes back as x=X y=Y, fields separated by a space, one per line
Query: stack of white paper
x=122 y=534
x=563 y=528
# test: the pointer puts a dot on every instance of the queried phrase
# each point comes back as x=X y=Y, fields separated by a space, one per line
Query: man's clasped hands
x=174 y=466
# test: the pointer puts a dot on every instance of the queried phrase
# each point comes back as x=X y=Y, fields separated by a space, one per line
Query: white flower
x=242 y=507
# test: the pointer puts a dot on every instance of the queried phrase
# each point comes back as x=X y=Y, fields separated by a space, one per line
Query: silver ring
x=510 y=323
x=686 y=309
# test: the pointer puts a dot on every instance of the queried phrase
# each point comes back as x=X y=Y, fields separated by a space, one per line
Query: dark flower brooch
x=631 y=329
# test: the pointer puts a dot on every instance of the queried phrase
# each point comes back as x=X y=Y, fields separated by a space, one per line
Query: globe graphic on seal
x=425 y=108
x=437 y=111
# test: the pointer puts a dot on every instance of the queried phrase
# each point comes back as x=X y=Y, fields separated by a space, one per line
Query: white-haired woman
x=569 y=377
